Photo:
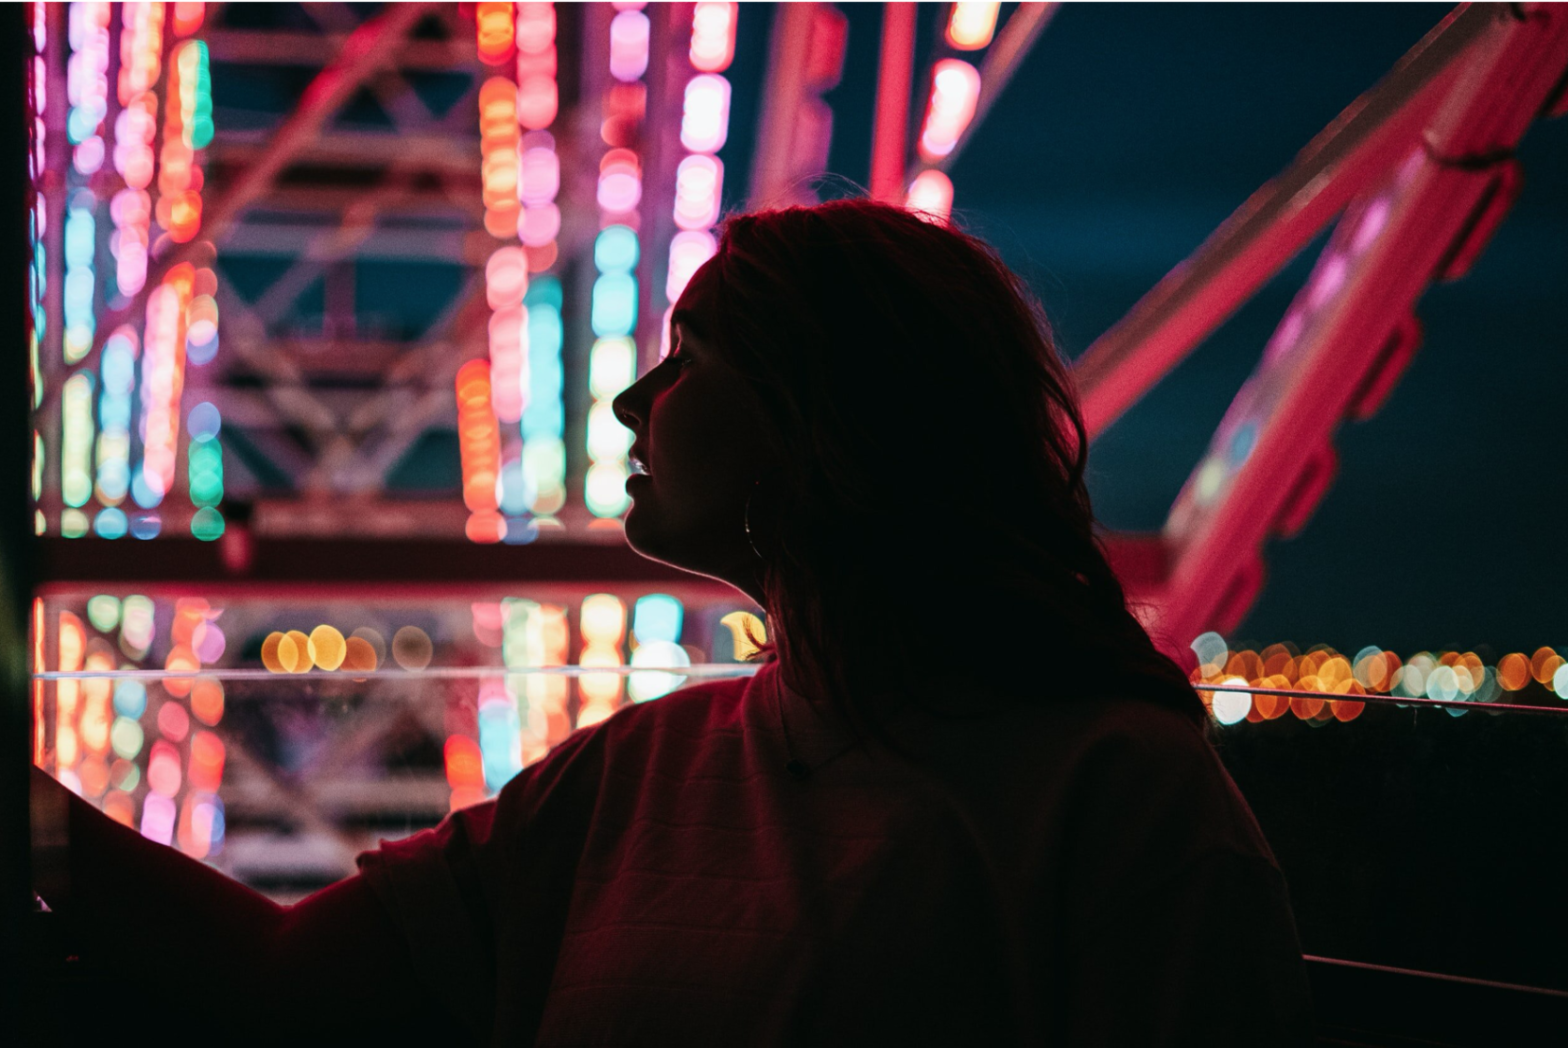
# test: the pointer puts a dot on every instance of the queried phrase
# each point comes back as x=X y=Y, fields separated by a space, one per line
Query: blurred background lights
x=657 y=617
x=411 y=648
x=103 y=611
x=615 y=249
x=955 y=90
x=494 y=28
x=930 y=195
x=712 y=37
x=705 y=123
x=1211 y=652
x=629 y=32
x=110 y=523
x=1231 y=707
x=970 y=25
x=641 y=687
x=699 y=188
x=327 y=647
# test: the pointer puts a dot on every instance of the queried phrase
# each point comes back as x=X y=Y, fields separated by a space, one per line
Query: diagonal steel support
x=1421 y=215
x=366 y=51
x=1276 y=222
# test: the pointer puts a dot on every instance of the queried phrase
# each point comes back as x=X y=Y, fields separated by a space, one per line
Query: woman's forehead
x=695 y=309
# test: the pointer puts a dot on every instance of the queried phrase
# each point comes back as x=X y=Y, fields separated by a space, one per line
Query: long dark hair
x=929 y=510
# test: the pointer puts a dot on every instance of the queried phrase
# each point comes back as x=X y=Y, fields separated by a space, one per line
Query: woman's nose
x=628 y=407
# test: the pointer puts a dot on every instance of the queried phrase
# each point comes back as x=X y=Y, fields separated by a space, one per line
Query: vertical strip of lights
x=135 y=128
x=162 y=382
x=204 y=470
x=506 y=279
x=699 y=179
x=87 y=94
x=117 y=374
x=37 y=281
x=521 y=179
x=479 y=447
x=538 y=481
x=70 y=648
x=535 y=481
x=537 y=635
x=602 y=622
x=76 y=441
x=955 y=92
x=613 y=312
x=188 y=130
x=181 y=319
x=87 y=90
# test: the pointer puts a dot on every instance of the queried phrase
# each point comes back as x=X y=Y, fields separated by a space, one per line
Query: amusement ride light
x=699 y=178
x=602 y=623
x=931 y=195
x=614 y=306
x=493 y=22
x=971 y=25
x=955 y=91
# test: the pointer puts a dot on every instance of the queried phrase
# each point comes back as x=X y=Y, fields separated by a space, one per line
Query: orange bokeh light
x=1513 y=672
x=180 y=658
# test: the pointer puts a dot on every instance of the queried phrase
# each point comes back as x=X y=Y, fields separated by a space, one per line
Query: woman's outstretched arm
x=330 y=964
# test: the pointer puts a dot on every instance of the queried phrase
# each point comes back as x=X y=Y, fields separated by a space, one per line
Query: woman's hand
x=333 y=964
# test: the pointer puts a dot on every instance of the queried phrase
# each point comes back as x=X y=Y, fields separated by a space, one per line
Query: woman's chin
x=641 y=534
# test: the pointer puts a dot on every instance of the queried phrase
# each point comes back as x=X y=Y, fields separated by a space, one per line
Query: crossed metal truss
x=1425 y=157
x=1418 y=172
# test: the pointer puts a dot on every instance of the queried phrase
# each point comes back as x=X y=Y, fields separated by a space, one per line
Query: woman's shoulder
x=1155 y=766
x=1105 y=759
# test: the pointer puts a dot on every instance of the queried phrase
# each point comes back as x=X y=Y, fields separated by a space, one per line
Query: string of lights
x=699 y=178
x=616 y=253
x=1258 y=680
x=534 y=481
x=105 y=424
x=951 y=105
x=506 y=280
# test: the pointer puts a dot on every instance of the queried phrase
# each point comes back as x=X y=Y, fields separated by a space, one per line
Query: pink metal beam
x=1342 y=343
x=890 y=131
x=806 y=58
x=1274 y=223
x=369 y=48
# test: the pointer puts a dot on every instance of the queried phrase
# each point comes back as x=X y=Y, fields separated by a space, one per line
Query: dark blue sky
x=1133 y=130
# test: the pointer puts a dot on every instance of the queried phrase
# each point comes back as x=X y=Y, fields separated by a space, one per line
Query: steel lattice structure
x=1414 y=175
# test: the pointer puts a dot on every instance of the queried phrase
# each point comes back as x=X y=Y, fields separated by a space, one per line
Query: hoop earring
x=751 y=536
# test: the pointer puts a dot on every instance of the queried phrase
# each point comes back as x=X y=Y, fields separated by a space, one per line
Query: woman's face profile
x=696 y=435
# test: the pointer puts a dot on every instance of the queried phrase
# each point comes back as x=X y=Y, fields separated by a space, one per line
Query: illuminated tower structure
x=122 y=181
x=576 y=187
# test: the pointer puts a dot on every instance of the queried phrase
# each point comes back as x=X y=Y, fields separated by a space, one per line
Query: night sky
x=1130 y=132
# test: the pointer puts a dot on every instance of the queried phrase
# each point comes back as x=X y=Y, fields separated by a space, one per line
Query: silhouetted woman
x=965 y=802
